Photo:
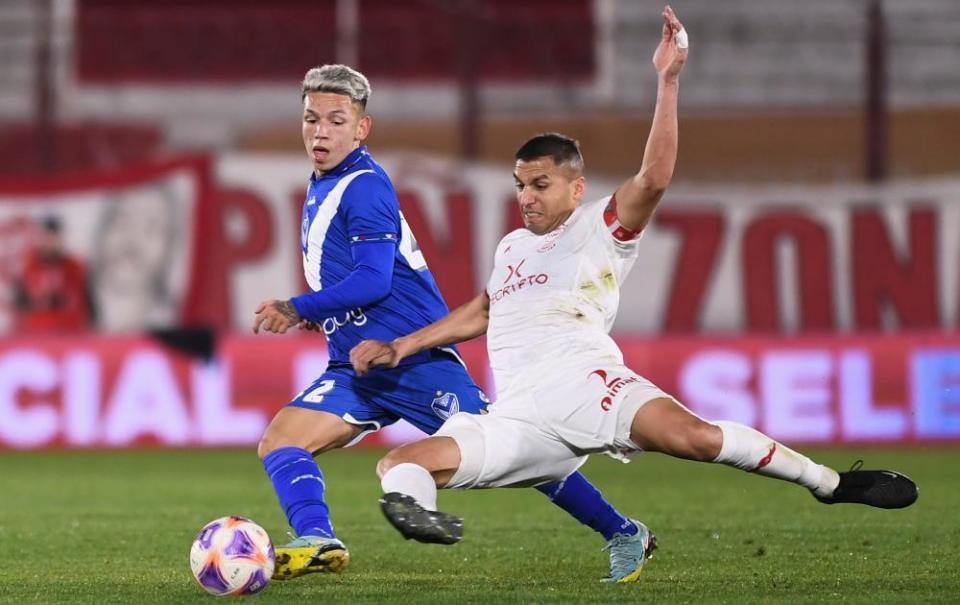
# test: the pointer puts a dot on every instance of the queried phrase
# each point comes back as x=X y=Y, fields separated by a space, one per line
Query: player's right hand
x=275 y=316
x=373 y=353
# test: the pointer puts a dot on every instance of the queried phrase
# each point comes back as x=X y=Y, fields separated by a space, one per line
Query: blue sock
x=298 y=482
x=587 y=505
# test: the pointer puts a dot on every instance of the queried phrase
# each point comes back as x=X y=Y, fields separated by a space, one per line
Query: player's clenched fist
x=372 y=353
x=275 y=316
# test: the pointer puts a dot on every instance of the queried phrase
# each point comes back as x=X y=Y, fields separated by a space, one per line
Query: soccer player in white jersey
x=563 y=391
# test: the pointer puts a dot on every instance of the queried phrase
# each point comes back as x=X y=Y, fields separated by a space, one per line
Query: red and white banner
x=715 y=259
x=138 y=231
x=204 y=242
x=117 y=392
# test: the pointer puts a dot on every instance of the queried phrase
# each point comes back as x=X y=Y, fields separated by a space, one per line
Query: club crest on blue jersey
x=446 y=405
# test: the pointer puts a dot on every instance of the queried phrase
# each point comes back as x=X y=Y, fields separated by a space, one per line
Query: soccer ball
x=232 y=556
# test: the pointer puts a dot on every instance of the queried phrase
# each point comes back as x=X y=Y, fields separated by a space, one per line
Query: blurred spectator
x=132 y=266
x=51 y=294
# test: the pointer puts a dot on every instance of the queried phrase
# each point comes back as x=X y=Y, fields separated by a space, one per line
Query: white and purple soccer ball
x=232 y=556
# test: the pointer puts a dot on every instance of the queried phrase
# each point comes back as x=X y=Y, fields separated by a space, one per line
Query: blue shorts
x=423 y=394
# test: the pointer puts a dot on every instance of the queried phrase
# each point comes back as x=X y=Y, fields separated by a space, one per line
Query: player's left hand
x=671 y=54
x=372 y=353
x=275 y=316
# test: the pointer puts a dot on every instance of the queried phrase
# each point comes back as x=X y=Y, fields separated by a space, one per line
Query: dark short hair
x=559 y=147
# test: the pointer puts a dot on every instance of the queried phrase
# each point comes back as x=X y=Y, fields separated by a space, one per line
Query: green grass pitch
x=116 y=527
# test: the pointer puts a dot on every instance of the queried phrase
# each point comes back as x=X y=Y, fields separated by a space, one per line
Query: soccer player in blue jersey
x=369 y=281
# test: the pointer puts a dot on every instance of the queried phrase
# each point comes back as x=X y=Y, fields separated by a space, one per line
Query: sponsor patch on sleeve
x=374 y=237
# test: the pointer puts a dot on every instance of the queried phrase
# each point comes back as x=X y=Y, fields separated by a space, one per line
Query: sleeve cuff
x=299 y=304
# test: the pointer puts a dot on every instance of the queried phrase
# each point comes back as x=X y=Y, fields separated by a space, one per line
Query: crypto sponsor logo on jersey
x=355 y=316
x=614 y=386
x=514 y=271
x=520 y=281
x=446 y=404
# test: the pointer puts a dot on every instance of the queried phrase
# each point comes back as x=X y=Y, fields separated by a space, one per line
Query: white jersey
x=554 y=297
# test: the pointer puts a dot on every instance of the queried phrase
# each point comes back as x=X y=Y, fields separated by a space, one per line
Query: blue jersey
x=355 y=204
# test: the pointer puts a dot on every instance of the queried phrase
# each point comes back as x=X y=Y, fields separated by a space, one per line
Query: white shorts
x=544 y=433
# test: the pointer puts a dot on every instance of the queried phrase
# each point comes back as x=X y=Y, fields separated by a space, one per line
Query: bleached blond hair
x=339 y=79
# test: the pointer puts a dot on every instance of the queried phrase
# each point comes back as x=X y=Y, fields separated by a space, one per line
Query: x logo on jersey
x=514 y=270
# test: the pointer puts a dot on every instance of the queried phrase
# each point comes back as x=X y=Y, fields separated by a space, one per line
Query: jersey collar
x=343 y=167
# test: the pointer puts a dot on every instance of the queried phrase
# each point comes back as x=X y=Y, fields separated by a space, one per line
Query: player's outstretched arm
x=637 y=198
x=463 y=323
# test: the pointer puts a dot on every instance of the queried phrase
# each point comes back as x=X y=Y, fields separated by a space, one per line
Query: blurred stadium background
x=802 y=276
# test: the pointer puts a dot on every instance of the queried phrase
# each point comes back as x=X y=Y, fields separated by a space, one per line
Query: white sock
x=752 y=451
x=412 y=480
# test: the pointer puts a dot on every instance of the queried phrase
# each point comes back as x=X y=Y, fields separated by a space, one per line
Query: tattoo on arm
x=288 y=310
